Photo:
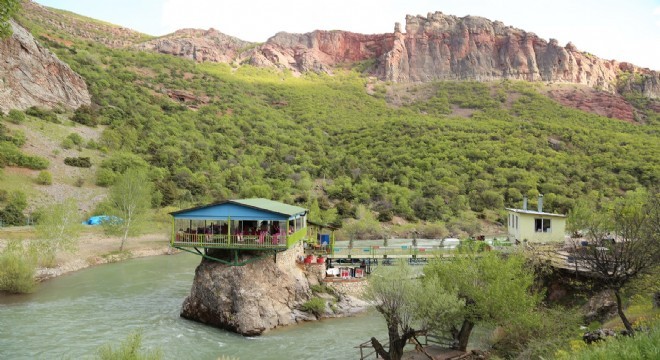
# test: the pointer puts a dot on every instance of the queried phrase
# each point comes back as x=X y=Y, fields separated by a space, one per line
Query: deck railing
x=263 y=240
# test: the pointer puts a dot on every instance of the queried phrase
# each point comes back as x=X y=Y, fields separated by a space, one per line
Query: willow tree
x=624 y=242
x=491 y=289
x=57 y=230
x=130 y=199
x=398 y=295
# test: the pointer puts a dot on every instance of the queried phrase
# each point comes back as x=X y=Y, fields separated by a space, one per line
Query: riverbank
x=94 y=248
x=101 y=249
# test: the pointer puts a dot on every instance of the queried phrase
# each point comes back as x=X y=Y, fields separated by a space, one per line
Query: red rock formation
x=440 y=47
x=596 y=102
x=319 y=50
x=33 y=76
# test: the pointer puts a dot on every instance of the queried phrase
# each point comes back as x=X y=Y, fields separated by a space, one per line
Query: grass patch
x=315 y=306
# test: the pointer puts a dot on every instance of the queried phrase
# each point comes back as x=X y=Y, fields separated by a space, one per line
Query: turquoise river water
x=71 y=316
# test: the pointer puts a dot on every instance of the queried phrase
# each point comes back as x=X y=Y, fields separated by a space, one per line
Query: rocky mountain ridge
x=33 y=76
x=435 y=47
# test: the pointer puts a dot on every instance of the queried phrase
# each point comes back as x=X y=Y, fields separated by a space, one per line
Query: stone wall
x=352 y=287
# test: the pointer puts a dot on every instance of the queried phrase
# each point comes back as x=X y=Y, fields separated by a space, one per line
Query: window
x=542 y=225
x=516 y=221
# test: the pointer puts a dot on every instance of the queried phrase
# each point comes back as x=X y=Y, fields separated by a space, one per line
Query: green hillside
x=450 y=152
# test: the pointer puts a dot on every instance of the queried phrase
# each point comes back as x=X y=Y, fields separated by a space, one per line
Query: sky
x=611 y=29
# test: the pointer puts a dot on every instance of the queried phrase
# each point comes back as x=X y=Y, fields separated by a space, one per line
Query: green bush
x=85 y=115
x=43 y=114
x=15 y=116
x=315 y=306
x=105 y=177
x=129 y=349
x=67 y=144
x=16 y=270
x=83 y=162
x=76 y=138
x=44 y=178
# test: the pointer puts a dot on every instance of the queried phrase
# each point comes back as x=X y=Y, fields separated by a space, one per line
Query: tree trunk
x=622 y=315
x=380 y=350
x=464 y=335
x=123 y=240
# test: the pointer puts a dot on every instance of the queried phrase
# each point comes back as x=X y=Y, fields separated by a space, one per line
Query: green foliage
x=129 y=199
x=7 y=9
x=10 y=155
x=643 y=346
x=83 y=162
x=266 y=132
x=15 y=116
x=75 y=138
x=105 y=177
x=315 y=305
x=17 y=269
x=493 y=290
x=85 y=115
x=12 y=214
x=44 y=178
x=43 y=114
x=366 y=226
x=129 y=349
x=58 y=229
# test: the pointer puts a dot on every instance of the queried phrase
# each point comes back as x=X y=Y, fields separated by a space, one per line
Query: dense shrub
x=15 y=116
x=44 y=178
x=85 y=115
x=42 y=114
x=315 y=306
x=83 y=162
x=12 y=156
x=12 y=214
x=16 y=272
x=105 y=177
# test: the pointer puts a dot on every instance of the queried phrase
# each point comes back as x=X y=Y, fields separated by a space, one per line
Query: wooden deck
x=230 y=241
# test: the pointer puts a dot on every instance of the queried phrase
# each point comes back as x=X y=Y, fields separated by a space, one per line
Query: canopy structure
x=243 y=224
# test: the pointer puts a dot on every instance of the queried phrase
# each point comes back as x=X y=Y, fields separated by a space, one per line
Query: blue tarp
x=100 y=219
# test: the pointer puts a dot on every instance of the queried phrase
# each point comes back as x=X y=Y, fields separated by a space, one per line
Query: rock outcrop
x=199 y=45
x=258 y=296
x=318 y=51
x=445 y=47
x=30 y=75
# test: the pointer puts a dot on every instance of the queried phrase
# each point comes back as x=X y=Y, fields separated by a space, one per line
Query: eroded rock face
x=30 y=75
x=318 y=51
x=199 y=45
x=444 y=47
x=249 y=299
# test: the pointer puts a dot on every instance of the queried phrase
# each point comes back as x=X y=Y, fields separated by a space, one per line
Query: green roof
x=270 y=205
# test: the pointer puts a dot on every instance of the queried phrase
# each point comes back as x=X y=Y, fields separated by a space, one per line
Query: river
x=73 y=315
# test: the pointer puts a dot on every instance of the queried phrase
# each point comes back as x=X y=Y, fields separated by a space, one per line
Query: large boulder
x=250 y=299
x=30 y=75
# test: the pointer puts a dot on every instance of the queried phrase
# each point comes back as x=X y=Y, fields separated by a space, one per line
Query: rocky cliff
x=259 y=296
x=199 y=45
x=435 y=47
x=439 y=47
x=30 y=75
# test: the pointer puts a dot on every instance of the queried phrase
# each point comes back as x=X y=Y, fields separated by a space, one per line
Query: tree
x=12 y=214
x=7 y=9
x=130 y=199
x=58 y=229
x=624 y=242
x=395 y=292
x=491 y=288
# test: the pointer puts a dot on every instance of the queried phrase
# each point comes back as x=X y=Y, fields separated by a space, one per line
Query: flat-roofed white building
x=535 y=226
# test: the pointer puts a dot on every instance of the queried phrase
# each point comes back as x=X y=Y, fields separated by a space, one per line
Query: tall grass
x=17 y=269
x=645 y=345
x=129 y=349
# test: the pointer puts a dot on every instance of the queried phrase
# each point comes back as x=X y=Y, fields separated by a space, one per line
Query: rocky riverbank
x=264 y=294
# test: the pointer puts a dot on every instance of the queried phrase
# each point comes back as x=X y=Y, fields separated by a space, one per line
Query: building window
x=516 y=221
x=542 y=225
